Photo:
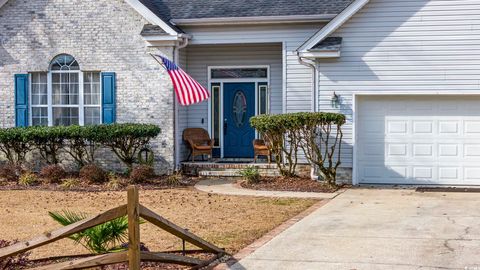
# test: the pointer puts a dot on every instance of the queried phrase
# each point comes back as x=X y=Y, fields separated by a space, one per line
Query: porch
x=244 y=80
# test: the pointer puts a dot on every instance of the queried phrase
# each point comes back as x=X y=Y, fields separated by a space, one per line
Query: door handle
x=225 y=126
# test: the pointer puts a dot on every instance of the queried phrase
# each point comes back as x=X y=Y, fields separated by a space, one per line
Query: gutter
x=254 y=20
x=311 y=64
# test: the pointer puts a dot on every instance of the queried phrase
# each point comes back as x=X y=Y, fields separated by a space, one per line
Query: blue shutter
x=21 y=100
x=109 y=87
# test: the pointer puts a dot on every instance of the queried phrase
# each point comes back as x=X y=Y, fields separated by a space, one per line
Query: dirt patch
x=289 y=184
x=231 y=222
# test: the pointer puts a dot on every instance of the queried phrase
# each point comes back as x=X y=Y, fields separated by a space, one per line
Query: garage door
x=418 y=140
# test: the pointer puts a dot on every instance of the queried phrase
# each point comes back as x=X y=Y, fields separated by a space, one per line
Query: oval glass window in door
x=239 y=108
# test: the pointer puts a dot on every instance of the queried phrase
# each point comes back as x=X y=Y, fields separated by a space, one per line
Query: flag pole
x=154 y=57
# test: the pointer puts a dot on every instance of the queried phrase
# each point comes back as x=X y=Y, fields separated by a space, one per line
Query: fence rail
x=134 y=210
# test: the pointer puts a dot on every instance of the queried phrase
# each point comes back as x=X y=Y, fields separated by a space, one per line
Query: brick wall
x=103 y=35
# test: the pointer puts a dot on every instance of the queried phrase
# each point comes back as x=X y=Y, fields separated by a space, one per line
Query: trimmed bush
x=93 y=174
x=15 y=143
x=10 y=172
x=70 y=183
x=81 y=143
x=126 y=140
x=142 y=173
x=53 y=174
x=49 y=141
x=319 y=135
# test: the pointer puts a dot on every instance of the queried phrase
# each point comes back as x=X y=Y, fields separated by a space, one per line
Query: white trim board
x=3 y=2
x=390 y=93
x=256 y=81
x=150 y=16
x=333 y=25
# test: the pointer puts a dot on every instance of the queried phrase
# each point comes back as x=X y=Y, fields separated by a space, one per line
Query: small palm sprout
x=104 y=238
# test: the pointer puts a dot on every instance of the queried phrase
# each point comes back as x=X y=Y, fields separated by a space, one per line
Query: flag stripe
x=187 y=89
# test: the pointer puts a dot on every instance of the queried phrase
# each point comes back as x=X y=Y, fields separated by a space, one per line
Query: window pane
x=263 y=99
x=92 y=116
x=91 y=88
x=65 y=88
x=39 y=116
x=232 y=73
x=65 y=116
x=64 y=62
x=39 y=88
x=216 y=114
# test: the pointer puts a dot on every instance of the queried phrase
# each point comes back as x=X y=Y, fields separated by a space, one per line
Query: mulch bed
x=289 y=184
x=158 y=183
x=207 y=257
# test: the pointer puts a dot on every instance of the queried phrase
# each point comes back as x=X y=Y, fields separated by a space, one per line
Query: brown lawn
x=231 y=222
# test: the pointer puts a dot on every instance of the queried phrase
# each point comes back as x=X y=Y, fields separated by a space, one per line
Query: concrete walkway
x=228 y=187
x=365 y=229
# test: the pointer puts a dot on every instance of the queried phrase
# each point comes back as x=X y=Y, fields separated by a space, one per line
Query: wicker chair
x=199 y=142
x=261 y=149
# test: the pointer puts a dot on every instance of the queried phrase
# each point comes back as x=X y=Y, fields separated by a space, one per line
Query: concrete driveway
x=380 y=229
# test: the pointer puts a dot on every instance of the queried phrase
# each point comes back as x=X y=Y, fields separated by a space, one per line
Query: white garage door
x=418 y=140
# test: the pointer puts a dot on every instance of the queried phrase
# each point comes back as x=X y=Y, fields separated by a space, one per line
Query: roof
x=328 y=44
x=152 y=30
x=169 y=10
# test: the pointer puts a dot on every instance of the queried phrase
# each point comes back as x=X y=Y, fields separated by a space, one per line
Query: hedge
x=80 y=142
x=319 y=135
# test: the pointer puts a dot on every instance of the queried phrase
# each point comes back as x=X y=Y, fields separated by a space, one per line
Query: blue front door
x=239 y=106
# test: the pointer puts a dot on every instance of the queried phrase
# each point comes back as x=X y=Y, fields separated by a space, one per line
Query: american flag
x=187 y=89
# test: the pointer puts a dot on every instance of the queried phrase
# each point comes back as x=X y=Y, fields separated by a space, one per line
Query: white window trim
x=81 y=106
x=237 y=80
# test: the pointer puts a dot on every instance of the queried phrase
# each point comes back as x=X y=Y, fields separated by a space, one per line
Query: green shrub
x=52 y=174
x=10 y=172
x=142 y=173
x=319 y=135
x=28 y=179
x=250 y=174
x=83 y=142
x=104 y=238
x=93 y=174
x=15 y=143
x=126 y=140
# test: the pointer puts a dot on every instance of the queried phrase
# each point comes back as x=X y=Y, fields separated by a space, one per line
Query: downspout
x=311 y=64
x=182 y=43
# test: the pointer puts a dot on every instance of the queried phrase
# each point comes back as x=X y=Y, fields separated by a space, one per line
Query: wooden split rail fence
x=134 y=210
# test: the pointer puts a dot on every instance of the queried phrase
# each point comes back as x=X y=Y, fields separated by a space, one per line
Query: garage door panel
x=418 y=140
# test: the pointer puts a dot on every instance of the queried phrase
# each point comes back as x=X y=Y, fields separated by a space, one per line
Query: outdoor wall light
x=335 y=100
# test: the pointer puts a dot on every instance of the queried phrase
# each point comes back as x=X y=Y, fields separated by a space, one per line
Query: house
x=405 y=73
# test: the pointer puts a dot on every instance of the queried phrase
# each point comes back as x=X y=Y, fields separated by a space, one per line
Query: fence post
x=133 y=212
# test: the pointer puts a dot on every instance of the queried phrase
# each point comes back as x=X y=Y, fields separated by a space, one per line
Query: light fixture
x=335 y=100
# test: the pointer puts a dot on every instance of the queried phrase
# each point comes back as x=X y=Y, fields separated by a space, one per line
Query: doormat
x=447 y=189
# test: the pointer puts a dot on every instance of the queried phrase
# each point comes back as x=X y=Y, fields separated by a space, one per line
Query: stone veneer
x=103 y=35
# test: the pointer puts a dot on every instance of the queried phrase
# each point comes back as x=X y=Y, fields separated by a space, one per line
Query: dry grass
x=229 y=221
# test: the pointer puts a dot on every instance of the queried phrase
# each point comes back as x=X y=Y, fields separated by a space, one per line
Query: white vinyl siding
x=403 y=46
x=298 y=78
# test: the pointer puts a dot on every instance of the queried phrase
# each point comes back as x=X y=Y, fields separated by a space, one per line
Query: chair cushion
x=203 y=147
x=261 y=147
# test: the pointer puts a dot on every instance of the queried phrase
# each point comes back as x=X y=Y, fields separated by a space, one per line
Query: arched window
x=65 y=95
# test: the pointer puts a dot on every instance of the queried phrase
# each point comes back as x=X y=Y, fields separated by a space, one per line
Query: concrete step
x=219 y=173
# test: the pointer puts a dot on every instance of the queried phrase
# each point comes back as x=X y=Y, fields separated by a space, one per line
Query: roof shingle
x=198 y=9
